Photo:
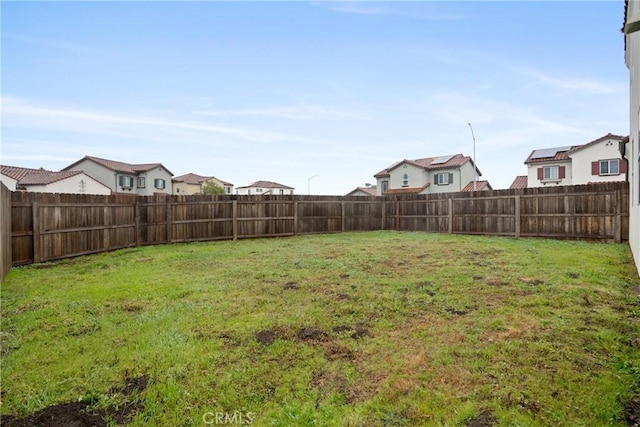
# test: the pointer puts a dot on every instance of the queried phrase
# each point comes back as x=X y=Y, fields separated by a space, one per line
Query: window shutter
x=595 y=168
x=561 y=172
x=450 y=178
x=435 y=179
x=540 y=174
x=623 y=165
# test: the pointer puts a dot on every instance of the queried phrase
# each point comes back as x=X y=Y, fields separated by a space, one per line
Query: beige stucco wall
x=182 y=188
x=532 y=173
x=633 y=63
x=417 y=176
x=10 y=183
x=98 y=172
x=581 y=162
x=72 y=185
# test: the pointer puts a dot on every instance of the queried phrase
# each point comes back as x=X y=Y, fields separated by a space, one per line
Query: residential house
x=632 y=149
x=142 y=179
x=519 y=182
x=595 y=161
x=192 y=183
x=367 y=191
x=478 y=186
x=44 y=181
x=261 y=188
x=442 y=174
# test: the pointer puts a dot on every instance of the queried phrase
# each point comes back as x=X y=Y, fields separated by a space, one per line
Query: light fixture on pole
x=309 y=183
x=475 y=168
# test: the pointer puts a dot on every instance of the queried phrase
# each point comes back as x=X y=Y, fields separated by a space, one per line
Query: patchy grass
x=380 y=328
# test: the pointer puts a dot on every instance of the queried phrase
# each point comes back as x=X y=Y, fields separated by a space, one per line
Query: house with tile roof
x=631 y=30
x=595 y=161
x=192 y=183
x=443 y=174
x=144 y=179
x=368 y=191
x=44 y=181
x=519 y=182
x=263 y=188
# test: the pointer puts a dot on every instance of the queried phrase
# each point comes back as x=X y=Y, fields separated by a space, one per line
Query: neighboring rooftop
x=563 y=153
x=123 y=167
x=520 y=182
x=267 y=184
x=430 y=163
x=479 y=186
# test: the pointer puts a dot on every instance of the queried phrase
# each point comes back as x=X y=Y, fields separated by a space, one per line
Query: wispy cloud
x=569 y=84
x=303 y=112
x=426 y=11
x=17 y=112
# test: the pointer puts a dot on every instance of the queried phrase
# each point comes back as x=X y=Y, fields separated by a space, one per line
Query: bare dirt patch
x=532 y=281
x=312 y=334
x=80 y=414
x=265 y=337
x=632 y=412
x=484 y=419
x=291 y=286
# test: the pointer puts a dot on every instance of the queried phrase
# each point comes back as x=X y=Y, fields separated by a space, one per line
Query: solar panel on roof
x=548 y=152
x=442 y=159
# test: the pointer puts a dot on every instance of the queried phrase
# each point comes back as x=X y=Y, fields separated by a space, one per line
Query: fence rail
x=52 y=226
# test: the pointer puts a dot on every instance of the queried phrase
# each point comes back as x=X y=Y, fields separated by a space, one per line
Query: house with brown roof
x=144 y=179
x=192 y=183
x=368 y=191
x=631 y=29
x=263 y=188
x=519 y=182
x=44 y=181
x=441 y=174
x=595 y=161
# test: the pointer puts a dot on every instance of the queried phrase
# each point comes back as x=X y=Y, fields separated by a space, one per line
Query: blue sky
x=285 y=91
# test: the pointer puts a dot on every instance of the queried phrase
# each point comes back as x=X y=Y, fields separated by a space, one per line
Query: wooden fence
x=53 y=226
x=5 y=231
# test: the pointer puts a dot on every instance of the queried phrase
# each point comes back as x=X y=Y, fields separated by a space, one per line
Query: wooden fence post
x=342 y=216
x=617 y=232
x=295 y=218
x=517 y=216
x=169 y=226
x=397 y=215
x=450 y=203
x=35 y=218
x=136 y=214
x=234 y=206
x=384 y=214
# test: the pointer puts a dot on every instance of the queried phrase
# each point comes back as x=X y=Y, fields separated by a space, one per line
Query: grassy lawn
x=380 y=328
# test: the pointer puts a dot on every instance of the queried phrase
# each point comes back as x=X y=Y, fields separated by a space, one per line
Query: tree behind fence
x=53 y=226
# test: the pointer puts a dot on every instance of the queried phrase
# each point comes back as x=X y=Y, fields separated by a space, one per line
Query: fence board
x=52 y=226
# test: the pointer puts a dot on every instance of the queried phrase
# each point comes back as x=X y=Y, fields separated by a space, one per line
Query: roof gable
x=521 y=181
x=122 y=167
x=267 y=184
x=429 y=163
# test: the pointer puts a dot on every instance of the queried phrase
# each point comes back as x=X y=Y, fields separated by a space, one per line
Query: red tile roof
x=407 y=190
x=480 y=186
x=18 y=173
x=191 y=178
x=520 y=182
x=567 y=151
x=427 y=163
x=121 y=166
x=45 y=178
x=371 y=191
x=267 y=184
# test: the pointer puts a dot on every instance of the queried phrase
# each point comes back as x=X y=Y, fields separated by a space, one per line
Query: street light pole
x=475 y=167
x=309 y=183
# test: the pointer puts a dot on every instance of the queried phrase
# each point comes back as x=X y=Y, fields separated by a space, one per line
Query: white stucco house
x=143 y=179
x=261 y=188
x=44 y=181
x=631 y=31
x=192 y=183
x=443 y=174
x=596 y=161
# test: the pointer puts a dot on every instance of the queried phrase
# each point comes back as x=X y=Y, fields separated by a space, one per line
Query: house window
x=227 y=190
x=405 y=179
x=258 y=190
x=282 y=192
x=142 y=182
x=609 y=167
x=550 y=173
x=159 y=183
x=125 y=181
x=384 y=185
x=443 y=178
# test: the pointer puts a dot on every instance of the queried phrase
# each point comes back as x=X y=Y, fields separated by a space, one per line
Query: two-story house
x=442 y=174
x=631 y=31
x=44 y=181
x=261 y=188
x=595 y=161
x=192 y=183
x=142 y=179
